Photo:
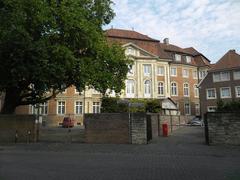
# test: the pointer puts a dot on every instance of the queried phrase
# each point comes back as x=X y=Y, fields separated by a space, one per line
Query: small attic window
x=177 y=57
x=188 y=59
x=130 y=51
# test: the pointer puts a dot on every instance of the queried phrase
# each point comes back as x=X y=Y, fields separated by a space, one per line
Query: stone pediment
x=134 y=50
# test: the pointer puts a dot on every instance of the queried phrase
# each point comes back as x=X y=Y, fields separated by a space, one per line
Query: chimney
x=166 y=41
x=233 y=50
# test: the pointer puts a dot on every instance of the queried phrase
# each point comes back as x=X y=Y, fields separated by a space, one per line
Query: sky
x=210 y=26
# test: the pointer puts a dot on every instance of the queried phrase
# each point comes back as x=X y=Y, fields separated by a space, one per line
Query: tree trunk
x=10 y=101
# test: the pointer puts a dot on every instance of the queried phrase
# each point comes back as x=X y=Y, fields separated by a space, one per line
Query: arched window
x=160 y=88
x=147 y=88
x=174 y=90
x=130 y=88
x=185 y=89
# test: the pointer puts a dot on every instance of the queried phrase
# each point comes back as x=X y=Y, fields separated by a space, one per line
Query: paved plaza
x=181 y=156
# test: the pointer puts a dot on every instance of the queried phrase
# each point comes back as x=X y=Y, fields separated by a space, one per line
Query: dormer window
x=188 y=59
x=130 y=51
x=178 y=57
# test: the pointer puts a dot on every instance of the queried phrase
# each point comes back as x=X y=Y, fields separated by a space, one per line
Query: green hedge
x=232 y=106
x=114 y=105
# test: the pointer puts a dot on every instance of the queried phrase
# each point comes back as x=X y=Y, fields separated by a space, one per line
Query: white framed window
x=236 y=75
x=177 y=57
x=211 y=108
x=78 y=107
x=225 y=92
x=174 y=89
x=221 y=76
x=130 y=70
x=161 y=88
x=43 y=109
x=195 y=74
x=130 y=88
x=211 y=93
x=197 y=109
x=196 y=90
x=202 y=74
x=147 y=88
x=185 y=73
x=186 y=89
x=237 y=91
x=61 y=107
x=225 y=76
x=96 y=107
x=187 y=108
x=160 y=70
x=216 y=77
x=147 y=69
x=173 y=71
x=188 y=59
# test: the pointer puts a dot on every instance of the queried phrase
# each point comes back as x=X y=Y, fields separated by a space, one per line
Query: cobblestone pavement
x=182 y=156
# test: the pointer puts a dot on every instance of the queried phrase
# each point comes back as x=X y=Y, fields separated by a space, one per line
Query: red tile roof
x=230 y=60
x=127 y=34
x=173 y=48
x=149 y=46
x=192 y=51
x=201 y=61
x=162 y=50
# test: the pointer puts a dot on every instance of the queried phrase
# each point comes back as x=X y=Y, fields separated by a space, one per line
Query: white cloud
x=211 y=26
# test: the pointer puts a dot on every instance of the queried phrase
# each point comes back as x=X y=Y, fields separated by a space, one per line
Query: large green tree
x=49 y=45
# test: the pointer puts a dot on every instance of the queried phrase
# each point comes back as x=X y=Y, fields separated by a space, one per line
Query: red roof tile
x=192 y=51
x=153 y=46
x=230 y=60
x=127 y=34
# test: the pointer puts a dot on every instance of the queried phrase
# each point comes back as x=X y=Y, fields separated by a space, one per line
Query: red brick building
x=221 y=82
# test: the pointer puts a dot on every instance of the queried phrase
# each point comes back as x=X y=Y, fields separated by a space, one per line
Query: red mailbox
x=165 y=130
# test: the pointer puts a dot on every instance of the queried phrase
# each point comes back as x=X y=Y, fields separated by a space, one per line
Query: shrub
x=113 y=105
x=232 y=106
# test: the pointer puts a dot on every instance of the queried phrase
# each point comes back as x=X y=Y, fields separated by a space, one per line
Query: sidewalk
x=182 y=156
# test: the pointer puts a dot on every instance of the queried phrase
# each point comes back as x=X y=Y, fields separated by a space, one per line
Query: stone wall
x=107 y=128
x=155 y=124
x=9 y=124
x=138 y=128
x=223 y=128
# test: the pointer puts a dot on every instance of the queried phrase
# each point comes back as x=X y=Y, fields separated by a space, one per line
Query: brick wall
x=107 y=128
x=223 y=128
x=115 y=128
x=56 y=120
x=9 y=124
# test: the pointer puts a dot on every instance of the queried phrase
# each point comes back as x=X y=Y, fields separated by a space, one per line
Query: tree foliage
x=49 y=45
